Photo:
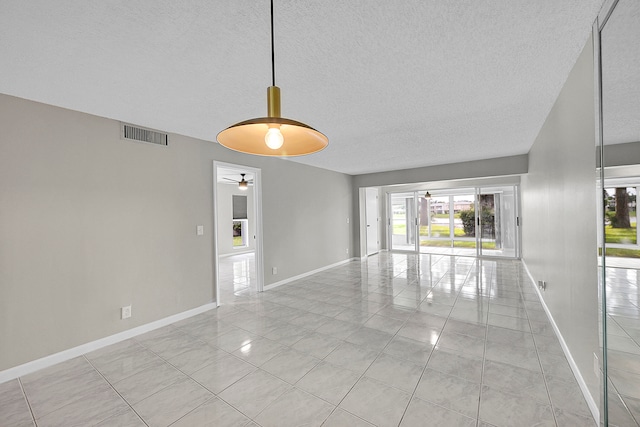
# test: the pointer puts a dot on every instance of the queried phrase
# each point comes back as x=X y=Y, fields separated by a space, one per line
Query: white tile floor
x=623 y=340
x=410 y=340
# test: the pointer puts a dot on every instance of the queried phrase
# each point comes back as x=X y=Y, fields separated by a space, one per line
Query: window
x=240 y=222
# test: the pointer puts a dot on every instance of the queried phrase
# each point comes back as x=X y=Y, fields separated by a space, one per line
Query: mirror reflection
x=621 y=135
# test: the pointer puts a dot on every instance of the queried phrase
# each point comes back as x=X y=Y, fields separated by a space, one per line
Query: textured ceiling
x=621 y=74
x=393 y=85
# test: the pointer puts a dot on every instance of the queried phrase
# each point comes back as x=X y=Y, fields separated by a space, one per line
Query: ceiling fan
x=242 y=184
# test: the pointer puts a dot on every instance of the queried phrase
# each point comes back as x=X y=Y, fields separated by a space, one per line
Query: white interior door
x=372 y=220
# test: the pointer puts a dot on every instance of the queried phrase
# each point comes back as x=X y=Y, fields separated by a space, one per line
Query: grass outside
x=437 y=230
x=237 y=241
x=620 y=235
x=445 y=215
x=456 y=244
x=625 y=253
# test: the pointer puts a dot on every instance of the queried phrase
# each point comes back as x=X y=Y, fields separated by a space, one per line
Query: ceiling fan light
x=243 y=185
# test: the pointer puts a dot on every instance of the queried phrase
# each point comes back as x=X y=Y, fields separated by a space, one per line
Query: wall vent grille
x=137 y=133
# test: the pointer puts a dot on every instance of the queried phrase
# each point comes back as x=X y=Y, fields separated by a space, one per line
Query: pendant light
x=427 y=196
x=273 y=135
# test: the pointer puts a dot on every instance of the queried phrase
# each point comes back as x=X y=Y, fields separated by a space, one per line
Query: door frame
x=257 y=211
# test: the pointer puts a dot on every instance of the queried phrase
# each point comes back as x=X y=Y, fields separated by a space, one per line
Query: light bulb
x=274 y=138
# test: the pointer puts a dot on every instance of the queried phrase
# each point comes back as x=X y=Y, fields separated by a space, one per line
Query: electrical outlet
x=125 y=312
x=200 y=230
x=347 y=251
x=274 y=270
x=347 y=220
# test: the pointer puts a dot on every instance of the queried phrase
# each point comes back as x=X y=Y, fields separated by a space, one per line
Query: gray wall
x=225 y=218
x=621 y=154
x=89 y=223
x=512 y=165
x=559 y=216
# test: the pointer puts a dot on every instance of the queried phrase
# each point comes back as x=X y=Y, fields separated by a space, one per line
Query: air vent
x=145 y=135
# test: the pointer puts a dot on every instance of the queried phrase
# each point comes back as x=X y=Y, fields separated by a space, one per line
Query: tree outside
x=621 y=218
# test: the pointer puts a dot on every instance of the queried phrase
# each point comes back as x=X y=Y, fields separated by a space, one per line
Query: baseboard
x=45 y=362
x=308 y=273
x=593 y=406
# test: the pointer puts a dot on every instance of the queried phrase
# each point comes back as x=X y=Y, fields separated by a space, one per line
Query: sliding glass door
x=480 y=221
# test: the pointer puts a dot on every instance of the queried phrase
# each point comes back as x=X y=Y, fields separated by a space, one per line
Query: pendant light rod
x=273 y=52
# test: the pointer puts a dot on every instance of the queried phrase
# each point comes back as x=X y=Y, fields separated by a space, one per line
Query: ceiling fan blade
x=229 y=179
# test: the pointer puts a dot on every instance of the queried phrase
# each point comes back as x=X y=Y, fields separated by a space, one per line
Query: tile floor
x=623 y=341
x=237 y=276
x=409 y=340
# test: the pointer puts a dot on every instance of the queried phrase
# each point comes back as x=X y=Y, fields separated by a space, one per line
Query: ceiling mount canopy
x=273 y=135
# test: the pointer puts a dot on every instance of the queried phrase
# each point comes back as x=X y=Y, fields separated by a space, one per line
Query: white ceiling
x=393 y=84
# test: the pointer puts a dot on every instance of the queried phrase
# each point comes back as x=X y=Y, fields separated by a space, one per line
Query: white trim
x=52 y=359
x=308 y=273
x=593 y=406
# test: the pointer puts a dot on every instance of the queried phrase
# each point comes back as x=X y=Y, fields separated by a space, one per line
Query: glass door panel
x=497 y=221
x=402 y=221
x=435 y=228
x=464 y=223
x=447 y=222
x=619 y=110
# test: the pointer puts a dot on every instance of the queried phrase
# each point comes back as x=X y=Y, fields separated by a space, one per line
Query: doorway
x=237 y=213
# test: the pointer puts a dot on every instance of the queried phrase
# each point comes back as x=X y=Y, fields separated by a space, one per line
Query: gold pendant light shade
x=273 y=135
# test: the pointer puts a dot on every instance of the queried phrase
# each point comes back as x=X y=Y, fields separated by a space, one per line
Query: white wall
x=90 y=223
x=225 y=218
x=559 y=216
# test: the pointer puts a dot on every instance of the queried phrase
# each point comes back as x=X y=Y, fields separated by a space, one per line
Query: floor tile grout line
x=24 y=394
x=484 y=355
x=433 y=349
x=116 y=391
